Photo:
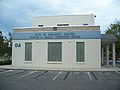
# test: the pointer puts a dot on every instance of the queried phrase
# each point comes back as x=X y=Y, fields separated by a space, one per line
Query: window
x=28 y=51
x=54 y=28
x=62 y=24
x=40 y=25
x=85 y=24
x=80 y=51
x=54 y=51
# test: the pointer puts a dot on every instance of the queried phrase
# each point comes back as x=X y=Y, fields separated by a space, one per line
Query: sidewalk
x=103 y=68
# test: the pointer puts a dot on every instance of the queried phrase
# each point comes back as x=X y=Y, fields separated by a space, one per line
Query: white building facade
x=58 y=43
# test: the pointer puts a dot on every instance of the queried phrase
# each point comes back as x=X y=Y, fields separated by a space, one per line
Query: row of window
x=61 y=25
x=57 y=25
x=55 y=51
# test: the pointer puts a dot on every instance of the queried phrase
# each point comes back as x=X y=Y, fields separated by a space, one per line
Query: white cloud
x=54 y=2
x=21 y=11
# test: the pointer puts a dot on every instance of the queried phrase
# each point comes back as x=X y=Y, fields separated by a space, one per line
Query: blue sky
x=19 y=13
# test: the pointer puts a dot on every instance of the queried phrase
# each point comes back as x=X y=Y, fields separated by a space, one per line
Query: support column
x=113 y=54
x=107 y=55
x=102 y=55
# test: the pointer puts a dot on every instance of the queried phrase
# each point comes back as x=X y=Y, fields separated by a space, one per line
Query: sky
x=19 y=13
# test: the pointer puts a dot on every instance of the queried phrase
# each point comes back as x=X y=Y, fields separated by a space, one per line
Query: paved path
x=22 y=79
x=103 y=68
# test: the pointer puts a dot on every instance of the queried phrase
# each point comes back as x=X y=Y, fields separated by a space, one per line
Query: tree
x=1 y=42
x=10 y=44
x=1 y=38
x=115 y=30
x=5 y=46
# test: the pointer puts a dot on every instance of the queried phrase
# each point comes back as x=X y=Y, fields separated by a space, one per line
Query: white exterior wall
x=72 y=20
x=39 y=54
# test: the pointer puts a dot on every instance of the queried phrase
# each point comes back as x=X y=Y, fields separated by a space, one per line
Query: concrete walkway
x=103 y=68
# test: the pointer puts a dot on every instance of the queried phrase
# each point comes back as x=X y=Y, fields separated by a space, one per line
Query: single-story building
x=59 y=42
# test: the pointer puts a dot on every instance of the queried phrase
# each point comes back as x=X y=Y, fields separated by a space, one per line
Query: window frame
x=54 y=61
x=25 y=52
x=80 y=61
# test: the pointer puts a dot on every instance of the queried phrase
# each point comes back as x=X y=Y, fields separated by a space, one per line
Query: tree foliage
x=4 y=48
x=115 y=30
x=1 y=39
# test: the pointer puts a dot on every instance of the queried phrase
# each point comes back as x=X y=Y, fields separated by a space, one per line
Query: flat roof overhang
x=107 y=39
x=58 y=28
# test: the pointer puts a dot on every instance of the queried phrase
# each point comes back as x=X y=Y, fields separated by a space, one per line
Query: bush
x=8 y=62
